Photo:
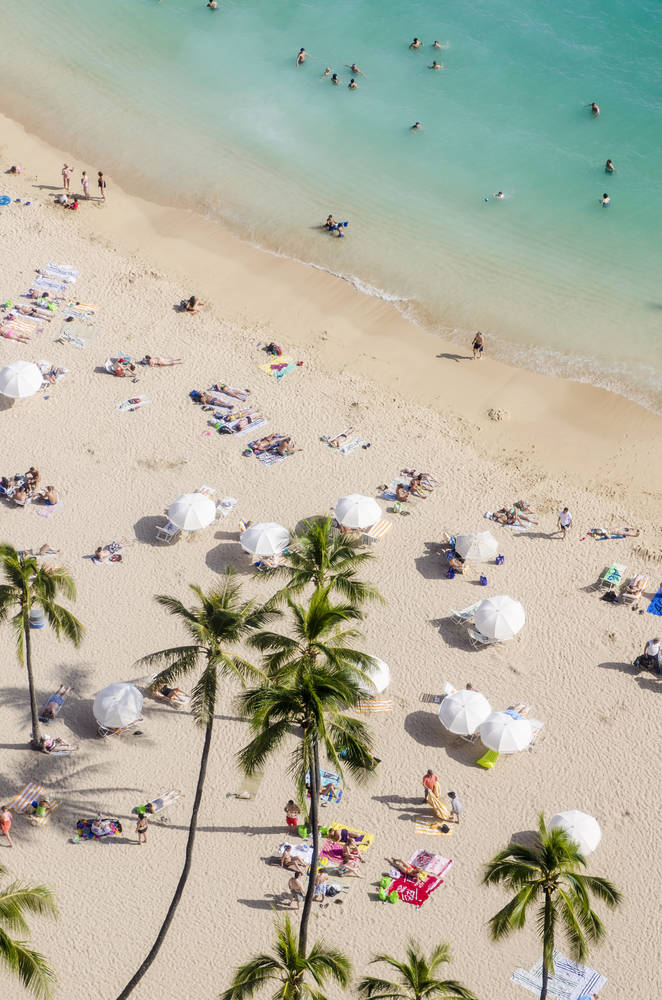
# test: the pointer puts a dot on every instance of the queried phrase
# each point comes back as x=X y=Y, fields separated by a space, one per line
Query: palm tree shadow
x=396 y=802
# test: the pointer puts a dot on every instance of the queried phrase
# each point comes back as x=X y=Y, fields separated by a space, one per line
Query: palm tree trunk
x=314 y=821
x=130 y=986
x=548 y=947
x=36 y=732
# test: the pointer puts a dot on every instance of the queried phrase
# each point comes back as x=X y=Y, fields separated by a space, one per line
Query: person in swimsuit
x=353 y=85
x=355 y=69
x=416 y=44
x=595 y=109
x=85 y=184
x=335 y=79
x=141 y=829
x=212 y=4
x=50 y=496
x=160 y=362
x=609 y=167
x=67 y=171
x=416 y=127
x=325 y=73
x=438 y=45
x=436 y=65
x=301 y=57
x=478 y=346
x=498 y=195
x=101 y=182
x=605 y=201
x=296 y=889
x=330 y=221
x=292 y=864
x=5 y=824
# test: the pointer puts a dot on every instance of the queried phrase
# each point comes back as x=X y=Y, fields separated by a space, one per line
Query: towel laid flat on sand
x=134 y=403
x=414 y=891
x=47 y=510
x=278 y=367
x=267 y=458
x=77 y=335
x=655 y=606
x=571 y=981
x=47 y=284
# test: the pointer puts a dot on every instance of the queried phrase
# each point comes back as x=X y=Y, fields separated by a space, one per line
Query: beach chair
x=168 y=532
x=159 y=803
x=43 y=812
x=612 y=577
x=454 y=562
x=377 y=532
x=23 y=799
x=466 y=616
x=488 y=760
x=478 y=640
x=537 y=727
x=104 y=731
x=54 y=704
x=634 y=590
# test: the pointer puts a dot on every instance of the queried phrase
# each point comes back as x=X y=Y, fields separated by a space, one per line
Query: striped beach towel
x=374 y=705
x=251 y=427
x=349 y=446
x=46 y=818
x=49 y=285
x=422 y=829
x=378 y=530
x=570 y=981
x=60 y=273
x=32 y=792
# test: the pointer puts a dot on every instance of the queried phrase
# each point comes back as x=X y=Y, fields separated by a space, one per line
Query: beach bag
x=332 y=890
x=383 y=895
x=393 y=897
x=499 y=561
x=385 y=882
x=303 y=831
x=450 y=575
x=483 y=581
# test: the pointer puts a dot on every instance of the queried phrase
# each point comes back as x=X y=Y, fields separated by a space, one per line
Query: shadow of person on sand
x=273 y=901
x=455 y=357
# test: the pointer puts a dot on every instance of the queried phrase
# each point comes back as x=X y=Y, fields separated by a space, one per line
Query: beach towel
x=47 y=284
x=379 y=530
x=299 y=850
x=570 y=981
x=84 y=829
x=334 y=794
x=77 y=335
x=134 y=403
x=431 y=830
x=349 y=446
x=77 y=312
x=31 y=793
x=226 y=505
x=55 y=273
x=159 y=802
x=278 y=367
x=375 y=705
x=655 y=606
x=42 y=820
x=430 y=863
x=255 y=425
x=250 y=785
x=414 y=891
x=46 y=368
x=47 y=510
x=268 y=458
x=389 y=493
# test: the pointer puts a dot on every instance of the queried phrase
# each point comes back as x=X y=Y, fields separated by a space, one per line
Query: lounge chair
x=168 y=532
x=176 y=698
x=612 y=577
x=466 y=616
x=634 y=590
x=377 y=532
x=105 y=731
x=52 y=707
x=478 y=640
x=43 y=812
x=24 y=799
x=454 y=562
x=488 y=760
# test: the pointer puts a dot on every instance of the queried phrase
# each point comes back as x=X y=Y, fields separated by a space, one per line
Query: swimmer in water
x=416 y=44
x=330 y=221
x=301 y=58
x=335 y=79
x=605 y=201
x=436 y=65
x=499 y=195
x=353 y=85
x=438 y=45
x=595 y=109
x=416 y=127
x=212 y=4
x=355 y=69
x=609 y=167
x=325 y=73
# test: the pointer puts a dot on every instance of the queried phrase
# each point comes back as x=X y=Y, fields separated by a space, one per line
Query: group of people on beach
x=67 y=173
x=25 y=488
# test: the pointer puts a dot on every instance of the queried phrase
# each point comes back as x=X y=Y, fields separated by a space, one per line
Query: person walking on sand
x=5 y=824
x=85 y=184
x=67 y=171
x=101 y=181
x=430 y=781
x=296 y=889
x=292 y=814
x=141 y=829
x=478 y=346
x=564 y=522
x=456 y=806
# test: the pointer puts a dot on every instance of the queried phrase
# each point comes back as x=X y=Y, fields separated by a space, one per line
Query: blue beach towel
x=655 y=606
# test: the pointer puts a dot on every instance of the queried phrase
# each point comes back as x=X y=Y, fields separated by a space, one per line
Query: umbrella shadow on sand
x=453 y=635
x=145 y=529
x=426 y=729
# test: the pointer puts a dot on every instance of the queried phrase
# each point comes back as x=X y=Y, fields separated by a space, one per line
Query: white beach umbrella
x=583 y=829
x=356 y=511
x=192 y=511
x=480 y=546
x=500 y=617
x=20 y=379
x=117 y=705
x=265 y=539
x=380 y=675
x=503 y=733
x=463 y=711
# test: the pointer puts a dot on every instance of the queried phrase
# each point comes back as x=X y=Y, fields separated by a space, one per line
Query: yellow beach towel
x=362 y=845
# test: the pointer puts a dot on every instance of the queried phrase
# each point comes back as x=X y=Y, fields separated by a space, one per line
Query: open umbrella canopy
x=380 y=675
x=505 y=734
x=581 y=828
x=463 y=711
x=117 y=705
x=265 y=539
x=500 y=617
x=357 y=511
x=479 y=546
x=192 y=511
x=20 y=379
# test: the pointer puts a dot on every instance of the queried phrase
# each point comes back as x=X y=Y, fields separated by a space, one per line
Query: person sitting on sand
x=350 y=851
x=20 y=496
x=330 y=221
x=49 y=496
x=123 y=368
x=285 y=447
x=101 y=555
x=191 y=305
x=402 y=493
x=160 y=362
x=292 y=863
x=32 y=478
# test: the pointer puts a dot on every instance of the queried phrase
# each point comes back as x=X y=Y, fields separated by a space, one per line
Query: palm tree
x=217 y=622
x=417 y=978
x=287 y=967
x=18 y=959
x=29 y=585
x=325 y=557
x=313 y=678
x=548 y=878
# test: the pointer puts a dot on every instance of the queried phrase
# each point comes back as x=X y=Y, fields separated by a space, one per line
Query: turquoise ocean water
x=206 y=109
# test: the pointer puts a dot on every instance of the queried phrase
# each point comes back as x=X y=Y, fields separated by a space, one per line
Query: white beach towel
x=58 y=274
x=569 y=982
x=349 y=446
x=49 y=285
x=268 y=459
x=252 y=427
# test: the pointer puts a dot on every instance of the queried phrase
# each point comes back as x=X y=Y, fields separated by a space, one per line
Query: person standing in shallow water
x=301 y=57
x=478 y=346
x=101 y=181
x=609 y=167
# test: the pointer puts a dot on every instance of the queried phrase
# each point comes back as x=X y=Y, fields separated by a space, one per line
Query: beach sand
x=364 y=366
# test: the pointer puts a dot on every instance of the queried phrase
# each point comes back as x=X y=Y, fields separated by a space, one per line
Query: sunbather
x=48 y=744
x=21 y=338
x=402 y=493
x=211 y=399
x=123 y=368
x=54 y=703
x=229 y=390
x=340 y=439
x=190 y=305
x=45 y=550
x=290 y=863
x=421 y=476
x=160 y=362
x=174 y=695
x=267 y=443
x=411 y=871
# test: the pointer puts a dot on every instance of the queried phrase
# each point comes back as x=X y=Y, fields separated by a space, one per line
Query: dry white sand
x=117 y=471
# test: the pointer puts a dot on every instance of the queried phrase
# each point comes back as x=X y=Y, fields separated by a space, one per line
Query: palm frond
x=28 y=965
x=19 y=898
